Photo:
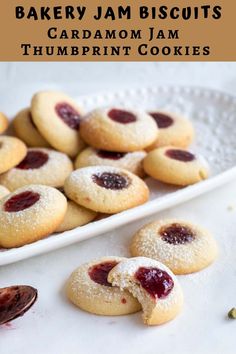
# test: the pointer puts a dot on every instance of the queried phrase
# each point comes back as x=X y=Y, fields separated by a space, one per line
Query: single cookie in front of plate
x=131 y=161
x=174 y=129
x=76 y=215
x=30 y=214
x=26 y=130
x=3 y=123
x=182 y=246
x=175 y=166
x=153 y=284
x=3 y=191
x=106 y=189
x=89 y=289
x=116 y=129
x=12 y=152
x=58 y=119
x=40 y=166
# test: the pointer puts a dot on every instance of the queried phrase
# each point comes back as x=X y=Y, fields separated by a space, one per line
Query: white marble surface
x=55 y=326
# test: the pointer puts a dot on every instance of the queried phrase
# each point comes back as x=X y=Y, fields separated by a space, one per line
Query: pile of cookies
x=115 y=286
x=63 y=167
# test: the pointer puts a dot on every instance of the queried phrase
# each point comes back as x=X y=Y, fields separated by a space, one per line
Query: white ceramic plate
x=214 y=116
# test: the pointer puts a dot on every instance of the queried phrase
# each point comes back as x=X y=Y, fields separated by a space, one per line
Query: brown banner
x=117 y=30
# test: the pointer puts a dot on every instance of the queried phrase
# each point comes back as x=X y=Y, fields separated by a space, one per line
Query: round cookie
x=40 y=166
x=106 y=189
x=3 y=123
x=30 y=214
x=175 y=166
x=12 y=152
x=76 y=215
x=58 y=119
x=182 y=246
x=26 y=130
x=3 y=191
x=115 y=129
x=89 y=289
x=174 y=129
x=153 y=284
x=131 y=161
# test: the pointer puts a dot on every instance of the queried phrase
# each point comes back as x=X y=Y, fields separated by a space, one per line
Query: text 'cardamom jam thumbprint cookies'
x=26 y=130
x=3 y=191
x=30 y=214
x=12 y=152
x=116 y=129
x=182 y=246
x=175 y=166
x=174 y=129
x=153 y=284
x=40 y=166
x=89 y=289
x=106 y=189
x=3 y=123
x=131 y=161
x=58 y=119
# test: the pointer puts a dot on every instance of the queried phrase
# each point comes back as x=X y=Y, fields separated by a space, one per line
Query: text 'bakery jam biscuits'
x=26 y=130
x=175 y=166
x=12 y=152
x=89 y=289
x=153 y=284
x=182 y=246
x=131 y=161
x=3 y=191
x=76 y=215
x=174 y=129
x=106 y=189
x=58 y=119
x=40 y=166
x=3 y=123
x=116 y=129
x=30 y=214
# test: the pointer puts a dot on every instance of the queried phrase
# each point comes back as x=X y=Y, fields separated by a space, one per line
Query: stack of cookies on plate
x=64 y=167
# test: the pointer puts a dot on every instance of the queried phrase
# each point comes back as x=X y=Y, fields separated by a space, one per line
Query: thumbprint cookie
x=58 y=118
x=3 y=123
x=30 y=214
x=3 y=191
x=116 y=129
x=106 y=189
x=12 y=152
x=40 y=166
x=175 y=166
x=174 y=129
x=153 y=284
x=76 y=215
x=182 y=246
x=26 y=130
x=89 y=289
x=131 y=161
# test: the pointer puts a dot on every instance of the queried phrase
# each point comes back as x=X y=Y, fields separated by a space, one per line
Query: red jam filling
x=99 y=272
x=120 y=116
x=162 y=120
x=177 y=234
x=112 y=155
x=15 y=301
x=181 y=155
x=21 y=201
x=112 y=181
x=155 y=281
x=68 y=114
x=33 y=160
